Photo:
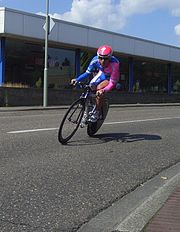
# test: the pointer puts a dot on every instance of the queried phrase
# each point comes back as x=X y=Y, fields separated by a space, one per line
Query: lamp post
x=45 y=92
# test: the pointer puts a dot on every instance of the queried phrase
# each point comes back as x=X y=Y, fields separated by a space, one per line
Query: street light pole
x=46 y=57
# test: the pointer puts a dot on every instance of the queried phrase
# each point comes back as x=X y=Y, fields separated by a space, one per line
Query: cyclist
x=106 y=78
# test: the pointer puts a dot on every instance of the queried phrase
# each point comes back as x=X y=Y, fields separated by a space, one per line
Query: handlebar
x=81 y=85
x=86 y=87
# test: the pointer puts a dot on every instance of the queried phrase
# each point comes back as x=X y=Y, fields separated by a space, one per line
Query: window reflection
x=61 y=67
x=24 y=65
x=176 y=78
x=150 y=76
x=124 y=74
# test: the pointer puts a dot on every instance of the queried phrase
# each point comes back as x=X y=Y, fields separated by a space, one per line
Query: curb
x=133 y=212
x=28 y=108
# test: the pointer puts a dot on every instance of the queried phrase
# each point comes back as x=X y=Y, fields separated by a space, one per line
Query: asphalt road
x=46 y=186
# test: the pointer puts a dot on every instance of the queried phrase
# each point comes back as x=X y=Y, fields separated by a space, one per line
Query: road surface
x=46 y=186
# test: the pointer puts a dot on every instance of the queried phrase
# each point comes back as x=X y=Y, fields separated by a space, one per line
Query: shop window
x=150 y=76
x=24 y=65
x=176 y=78
x=124 y=74
x=61 y=67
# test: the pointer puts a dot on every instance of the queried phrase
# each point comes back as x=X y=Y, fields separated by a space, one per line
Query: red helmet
x=105 y=51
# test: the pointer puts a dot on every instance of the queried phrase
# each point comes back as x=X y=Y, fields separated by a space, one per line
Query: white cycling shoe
x=94 y=117
x=84 y=120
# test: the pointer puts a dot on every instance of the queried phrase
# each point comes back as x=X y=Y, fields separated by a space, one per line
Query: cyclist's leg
x=99 y=99
x=102 y=106
x=98 y=82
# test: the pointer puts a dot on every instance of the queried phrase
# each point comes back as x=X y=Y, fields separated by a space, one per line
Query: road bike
x=79 y=113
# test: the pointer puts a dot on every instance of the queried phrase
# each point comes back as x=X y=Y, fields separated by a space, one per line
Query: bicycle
x=78 y=115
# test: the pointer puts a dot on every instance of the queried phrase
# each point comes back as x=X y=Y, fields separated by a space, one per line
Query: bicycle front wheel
x=71 y=121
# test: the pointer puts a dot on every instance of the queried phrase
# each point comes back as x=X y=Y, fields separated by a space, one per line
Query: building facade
x=146 y=66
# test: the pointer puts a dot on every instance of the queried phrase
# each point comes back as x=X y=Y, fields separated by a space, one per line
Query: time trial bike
x=79 y=113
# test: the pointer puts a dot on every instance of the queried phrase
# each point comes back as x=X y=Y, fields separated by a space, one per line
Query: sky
x=154 y=20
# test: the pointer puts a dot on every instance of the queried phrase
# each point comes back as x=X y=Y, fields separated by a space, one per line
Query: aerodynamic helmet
x=104 y=51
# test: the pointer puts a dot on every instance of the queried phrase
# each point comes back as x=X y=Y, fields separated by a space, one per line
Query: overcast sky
x=156 y=20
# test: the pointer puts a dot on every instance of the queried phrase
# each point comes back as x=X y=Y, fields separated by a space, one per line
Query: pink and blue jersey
x=111 y=73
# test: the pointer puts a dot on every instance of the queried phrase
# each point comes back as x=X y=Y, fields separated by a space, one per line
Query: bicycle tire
x=93 y=127
x=71 y=121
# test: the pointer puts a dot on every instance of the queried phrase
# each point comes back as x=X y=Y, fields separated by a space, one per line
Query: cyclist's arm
x=109 y=87
x=82 y=76
x=113 y=79
x=89 y=70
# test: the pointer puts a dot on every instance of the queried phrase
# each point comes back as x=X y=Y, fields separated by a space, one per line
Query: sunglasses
x=103 y=58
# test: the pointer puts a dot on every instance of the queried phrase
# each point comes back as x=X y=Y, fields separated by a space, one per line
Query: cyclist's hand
x=100 y=92
x=73 y=82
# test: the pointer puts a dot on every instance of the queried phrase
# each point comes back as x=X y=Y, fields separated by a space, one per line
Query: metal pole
x=46 y=57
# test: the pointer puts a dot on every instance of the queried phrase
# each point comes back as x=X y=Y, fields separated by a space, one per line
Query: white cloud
x=176 y=12
x=131 y=7
x=113 y=14
x=97 y=13
x=177 y=29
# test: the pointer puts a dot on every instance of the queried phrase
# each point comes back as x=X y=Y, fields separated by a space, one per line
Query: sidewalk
x=168 y=217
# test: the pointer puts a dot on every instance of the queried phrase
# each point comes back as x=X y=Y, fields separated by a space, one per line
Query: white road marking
x=33 y=130
x=141 y=120
x=105 y=123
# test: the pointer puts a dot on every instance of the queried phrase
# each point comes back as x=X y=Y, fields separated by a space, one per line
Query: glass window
x=24 y=62
x=176 y=78
x=61 y=67
x=124 y=74
x=24 y=65
x=150 y=76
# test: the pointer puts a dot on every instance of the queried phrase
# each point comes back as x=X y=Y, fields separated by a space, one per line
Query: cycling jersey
x=111 y=72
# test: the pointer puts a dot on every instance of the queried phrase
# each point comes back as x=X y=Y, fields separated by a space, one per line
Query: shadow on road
x=126 y=137
x=118 y=137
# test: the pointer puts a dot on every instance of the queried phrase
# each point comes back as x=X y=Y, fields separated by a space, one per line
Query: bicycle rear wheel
x=71 y=121
x=93 y=127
